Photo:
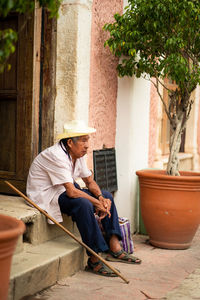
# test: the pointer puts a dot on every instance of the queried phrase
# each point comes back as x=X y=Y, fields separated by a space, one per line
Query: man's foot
x=122 y=256
x=99 y=268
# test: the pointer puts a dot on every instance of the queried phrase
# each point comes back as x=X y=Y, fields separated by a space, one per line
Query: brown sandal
x=126 y=258
x=103 y=270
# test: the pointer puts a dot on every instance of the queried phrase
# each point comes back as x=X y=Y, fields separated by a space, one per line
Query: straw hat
x=75 y=128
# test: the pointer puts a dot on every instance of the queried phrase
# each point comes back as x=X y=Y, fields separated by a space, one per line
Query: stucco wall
x=103 y=78
x=153 y=124
x=73 y=62
x=123 y=124
x=191 y=138
x=198 y=132
x=132 y=143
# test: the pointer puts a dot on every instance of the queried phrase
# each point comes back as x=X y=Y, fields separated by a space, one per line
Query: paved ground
x=163 y=274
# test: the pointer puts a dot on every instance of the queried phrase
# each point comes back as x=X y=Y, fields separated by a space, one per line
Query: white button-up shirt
x=48 y=172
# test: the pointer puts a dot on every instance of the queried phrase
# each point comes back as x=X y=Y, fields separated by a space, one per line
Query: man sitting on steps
x=51 y=185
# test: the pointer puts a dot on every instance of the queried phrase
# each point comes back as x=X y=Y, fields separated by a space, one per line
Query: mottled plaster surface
x=153 y=123
x=73 y=62
x=103 y=78
x=66 y=65
x=198 y=131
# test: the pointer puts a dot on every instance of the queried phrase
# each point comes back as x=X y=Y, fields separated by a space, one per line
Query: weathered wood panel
x=16 y=90
x=48 y=80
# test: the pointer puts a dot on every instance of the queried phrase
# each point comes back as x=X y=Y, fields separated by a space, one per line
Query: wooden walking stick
x=67 y=231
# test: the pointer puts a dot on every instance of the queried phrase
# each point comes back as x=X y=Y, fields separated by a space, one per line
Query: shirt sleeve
x=84 y=171
x=58 y=170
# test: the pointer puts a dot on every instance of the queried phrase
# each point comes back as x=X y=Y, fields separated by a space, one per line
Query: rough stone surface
x=66 y=65
x=36 y=279
x=44 y=254
x=11 y=289
x=161 y=271
x=163 y=274
x=39 y=267
x=73 y=62
x=189 y=289
x=16 y=207
x=37 y=229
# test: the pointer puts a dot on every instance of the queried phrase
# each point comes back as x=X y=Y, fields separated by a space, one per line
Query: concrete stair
x=44 y=254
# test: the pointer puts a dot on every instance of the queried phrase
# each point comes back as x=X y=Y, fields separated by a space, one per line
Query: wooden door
x=16 y=106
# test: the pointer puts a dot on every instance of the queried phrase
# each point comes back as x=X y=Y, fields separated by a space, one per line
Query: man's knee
x=107 y=194
x=84 y=204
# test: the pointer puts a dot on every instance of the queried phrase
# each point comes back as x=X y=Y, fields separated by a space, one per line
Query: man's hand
x=73 y=192
x=104 y=202
x=101 y=210
x=107 y=205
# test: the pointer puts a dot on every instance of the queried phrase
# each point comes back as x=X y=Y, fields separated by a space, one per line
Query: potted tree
x=159 y=39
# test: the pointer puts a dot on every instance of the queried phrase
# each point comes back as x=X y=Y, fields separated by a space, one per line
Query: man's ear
x=69 y=143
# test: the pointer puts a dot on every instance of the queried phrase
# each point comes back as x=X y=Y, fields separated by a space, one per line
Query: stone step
x=44 y=254
x=40 y=266
x=37 y=229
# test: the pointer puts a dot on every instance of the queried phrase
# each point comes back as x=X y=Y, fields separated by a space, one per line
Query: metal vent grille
x=105 y=172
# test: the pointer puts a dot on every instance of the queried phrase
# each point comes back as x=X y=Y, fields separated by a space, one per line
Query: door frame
x=36 y=92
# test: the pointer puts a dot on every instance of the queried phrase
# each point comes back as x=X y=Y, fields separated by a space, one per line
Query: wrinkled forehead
x=83 y=138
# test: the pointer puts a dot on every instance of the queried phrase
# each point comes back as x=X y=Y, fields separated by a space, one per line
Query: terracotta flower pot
x=170 y=207
x=10 y=230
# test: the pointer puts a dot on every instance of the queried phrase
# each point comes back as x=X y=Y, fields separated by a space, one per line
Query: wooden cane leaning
x=67 y=231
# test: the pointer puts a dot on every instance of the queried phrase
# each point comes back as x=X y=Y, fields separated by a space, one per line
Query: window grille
x=105 y=172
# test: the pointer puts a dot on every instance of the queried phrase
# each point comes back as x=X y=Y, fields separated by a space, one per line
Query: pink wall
x=103 y=78
x=198 y=131
x=153 y=124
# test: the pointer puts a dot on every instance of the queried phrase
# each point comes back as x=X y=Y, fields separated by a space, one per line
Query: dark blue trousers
x=82 y=212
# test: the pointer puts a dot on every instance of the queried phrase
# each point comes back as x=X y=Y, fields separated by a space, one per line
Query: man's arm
x=95 y=190
x=73 y=192
x=92 y=186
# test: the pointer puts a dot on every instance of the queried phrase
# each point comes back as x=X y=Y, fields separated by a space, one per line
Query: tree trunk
x=175 y=142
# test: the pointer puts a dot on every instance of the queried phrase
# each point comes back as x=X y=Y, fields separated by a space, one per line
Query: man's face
x=78 y=148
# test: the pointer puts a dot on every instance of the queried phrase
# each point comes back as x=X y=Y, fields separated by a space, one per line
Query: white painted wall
x=132 y=137
x=73 y=62
x=83 y=59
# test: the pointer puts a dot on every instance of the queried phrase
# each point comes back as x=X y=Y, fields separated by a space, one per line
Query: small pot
x=10 y=230
x=170 y=207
